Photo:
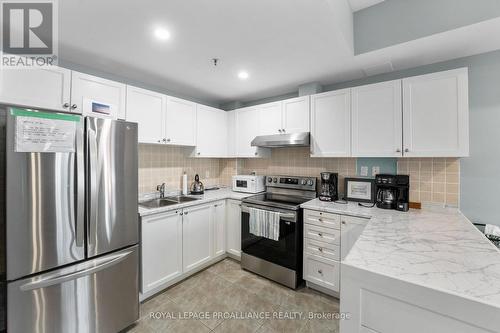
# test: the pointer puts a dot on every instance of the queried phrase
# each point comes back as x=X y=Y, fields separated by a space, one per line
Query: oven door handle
x=284 y=216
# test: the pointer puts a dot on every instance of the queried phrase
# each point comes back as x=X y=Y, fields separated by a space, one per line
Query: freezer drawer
x=100 y=295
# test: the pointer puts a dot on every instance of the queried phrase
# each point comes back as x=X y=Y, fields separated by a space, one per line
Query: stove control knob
x=269 y=179
x=303 y=182
x=310 y=182
x=275 y=180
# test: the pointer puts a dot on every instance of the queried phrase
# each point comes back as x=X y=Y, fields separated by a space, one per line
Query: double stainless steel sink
x=167 y=201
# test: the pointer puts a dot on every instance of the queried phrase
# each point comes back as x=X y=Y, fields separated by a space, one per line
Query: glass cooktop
x=277 y=200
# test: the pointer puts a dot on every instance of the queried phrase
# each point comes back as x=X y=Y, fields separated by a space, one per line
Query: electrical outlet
x=364 y=171
x=375 y=170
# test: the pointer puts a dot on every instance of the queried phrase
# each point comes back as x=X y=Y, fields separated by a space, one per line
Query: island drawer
x=326 y=235
x=322 y=249
x=322 y=219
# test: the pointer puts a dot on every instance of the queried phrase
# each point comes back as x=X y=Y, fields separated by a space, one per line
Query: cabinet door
x=211 y=132
x=270 y=120
x=180 y=122
x=231 y=133
x=219 y=223
x=197 y=234
x=147 y=108
x=161 y=242
x=247 y=128
x=331 y=124
x=233 y=224
x=97 y=97
x=36 y=88
x=436 y=115
x=350 y=230
x=377 y=120
x=296 y=115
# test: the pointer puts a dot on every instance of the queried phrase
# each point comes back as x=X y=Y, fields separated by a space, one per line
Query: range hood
x=282 y=140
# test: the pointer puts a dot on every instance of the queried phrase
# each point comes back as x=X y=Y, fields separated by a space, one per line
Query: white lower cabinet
x=178 y=243
x=327 y=240
x=233 y=224
x=219 y=227
x=161 y=239
x=197 y=236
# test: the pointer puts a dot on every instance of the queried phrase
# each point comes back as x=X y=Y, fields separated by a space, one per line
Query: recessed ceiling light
x=243 y=75
x=162 y=34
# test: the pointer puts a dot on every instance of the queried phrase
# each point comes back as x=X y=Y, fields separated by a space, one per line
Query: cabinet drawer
x=321 y=219
x=323 y=272
x=329 y=236
x=322 y=249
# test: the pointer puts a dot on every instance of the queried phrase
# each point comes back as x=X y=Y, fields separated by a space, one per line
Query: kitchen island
x=424 y=270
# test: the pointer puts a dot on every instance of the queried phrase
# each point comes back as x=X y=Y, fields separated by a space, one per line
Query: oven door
x=286 y=251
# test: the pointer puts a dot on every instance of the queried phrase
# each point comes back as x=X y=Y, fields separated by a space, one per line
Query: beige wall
x=434 y=180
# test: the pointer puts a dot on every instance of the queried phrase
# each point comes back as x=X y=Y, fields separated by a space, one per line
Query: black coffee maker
x=393 y=192
x=328 y=190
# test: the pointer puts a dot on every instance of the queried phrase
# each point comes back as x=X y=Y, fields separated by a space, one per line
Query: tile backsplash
x=166 y=164
x=432 y=180
x=297 y=162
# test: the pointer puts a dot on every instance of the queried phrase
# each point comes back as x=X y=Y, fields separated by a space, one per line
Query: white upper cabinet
x=247 y=128
x=296 y=115
x=180 y=122
x=36 y=88
x=377 y=127
x=436 y=114
x=288 y=116
x=211 y=132
x=97 y=97
x=331 y=124
x=270 y=118
x=231 y=133
x=147 y=108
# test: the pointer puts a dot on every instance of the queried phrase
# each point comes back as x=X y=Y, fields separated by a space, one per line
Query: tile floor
x=226 y=288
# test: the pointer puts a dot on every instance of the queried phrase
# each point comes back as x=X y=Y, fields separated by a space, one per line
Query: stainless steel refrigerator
x=71 y=231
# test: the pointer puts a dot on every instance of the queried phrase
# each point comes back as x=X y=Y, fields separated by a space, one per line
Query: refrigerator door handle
x=80 y=187
x=92 y=146
x=58 y=279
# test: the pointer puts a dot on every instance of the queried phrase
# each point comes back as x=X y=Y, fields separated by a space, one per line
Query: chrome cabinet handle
x=279 y=130
x=398 y=150
x=320 y=234
x=407 y=150
x=321 y=220
x=168 y=140
x=185 y=213
x=256 y=153
x=159 y=141
x=164 y=140
x=320 y=271
x=182 y=213
x=74 y=106
x=199 y=153
x=320 y=249
x=343 y=222
x=66 y=105
x=283 y=130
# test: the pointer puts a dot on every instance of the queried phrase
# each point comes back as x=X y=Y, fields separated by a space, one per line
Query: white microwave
x=249 y=183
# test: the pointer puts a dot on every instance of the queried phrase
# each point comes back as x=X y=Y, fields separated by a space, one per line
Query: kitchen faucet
x=161 y=188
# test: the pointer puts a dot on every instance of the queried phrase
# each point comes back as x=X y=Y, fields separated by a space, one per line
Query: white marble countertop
x=209 y=196
x=434 y=248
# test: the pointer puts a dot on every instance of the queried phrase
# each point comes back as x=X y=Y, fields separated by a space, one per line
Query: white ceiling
x=362 y=4
x=281 y=43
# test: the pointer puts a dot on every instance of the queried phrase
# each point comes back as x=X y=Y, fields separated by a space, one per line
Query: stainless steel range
x=279 y=260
